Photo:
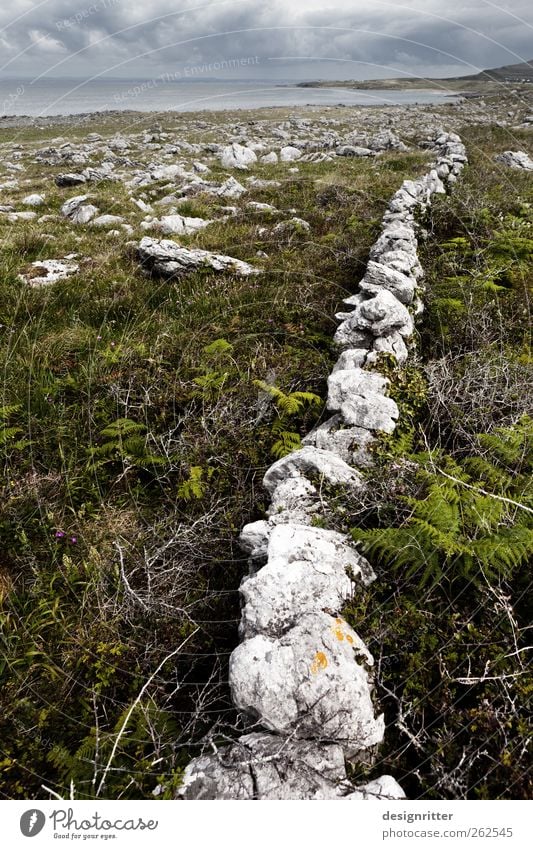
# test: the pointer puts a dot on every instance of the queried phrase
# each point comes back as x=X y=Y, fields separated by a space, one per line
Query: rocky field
x=169 y=290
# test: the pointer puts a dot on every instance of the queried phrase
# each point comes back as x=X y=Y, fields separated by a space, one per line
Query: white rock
x=313 y=682
x=310 y=461
x=382 y=788
x=181 y=225
x=349 y=443
x=359 y=397
x=270 y=158
x=169 y=259
x=33 y=200
x=379 y=276
x=290 y=154
x=266 y=766
x=231 y=188
x=306 y=572
x=379 y=315
x=78 y=211
x=237 y=156
x=294 y=499
x=515 y=159
x=48 y=271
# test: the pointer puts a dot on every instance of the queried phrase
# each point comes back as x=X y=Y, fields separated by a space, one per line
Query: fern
x=196 y=485
x=288 y=406
x=455 y=531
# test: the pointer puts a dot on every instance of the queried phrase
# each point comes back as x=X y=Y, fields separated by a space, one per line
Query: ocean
x=70 y=97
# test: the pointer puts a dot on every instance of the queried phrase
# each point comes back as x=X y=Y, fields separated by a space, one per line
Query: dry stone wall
x=301 y=673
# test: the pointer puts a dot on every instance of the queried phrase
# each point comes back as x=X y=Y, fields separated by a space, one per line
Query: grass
x=138 y=455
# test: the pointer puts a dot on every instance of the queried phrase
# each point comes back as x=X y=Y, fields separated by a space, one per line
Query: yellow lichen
x=320 y=662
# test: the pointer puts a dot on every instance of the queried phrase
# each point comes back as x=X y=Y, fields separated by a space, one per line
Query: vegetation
x=134 y=441
x=449 y=522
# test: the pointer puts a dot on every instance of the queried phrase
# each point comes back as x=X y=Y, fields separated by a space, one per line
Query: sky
x=261 y=39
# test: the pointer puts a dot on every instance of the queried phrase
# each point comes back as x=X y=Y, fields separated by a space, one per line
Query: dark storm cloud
x=139 y=38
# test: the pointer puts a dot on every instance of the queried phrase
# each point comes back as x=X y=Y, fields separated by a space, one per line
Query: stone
x=379 y=276
x=47 y=271
x=231 y=188
x=237 y=156
x=270 y=158
x=181 y=225
x=313 y=682
x=77 y=211
x=515 y=159
x=359 y=397
x=290 y=154
x=33 y=200
x=295 y=499
x=169 y=259
x=352 y=150
x=350 y=359
x=391 y=344
x=265 y=766
x=382 y=788
x=306 y=571
x=313 y=462
x=351 y=444
x=379 y=315
x=293 y=225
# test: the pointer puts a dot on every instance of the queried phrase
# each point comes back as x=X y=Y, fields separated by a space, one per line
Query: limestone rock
x=384 y=787
x=294 y=499
x=78 y=211
x=306 y=571
x=313 y=682
x=314 y=462
x=349 y=443
x=379 y=315
x=231 y=188
x=290 y=154
x=265 y=766
x=33 y=200
x=170 y=259
x=379 y=276
x=47 y=271
x=515 y=159
x=181 y=225
x=237 y=156
x=359 y=397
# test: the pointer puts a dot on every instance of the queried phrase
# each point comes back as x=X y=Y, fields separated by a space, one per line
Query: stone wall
x=301 y=673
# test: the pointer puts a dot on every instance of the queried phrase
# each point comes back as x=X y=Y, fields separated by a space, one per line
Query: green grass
x=138 y=455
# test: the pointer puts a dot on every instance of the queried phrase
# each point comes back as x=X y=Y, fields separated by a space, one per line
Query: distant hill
x=523 y=72
x=519 y=73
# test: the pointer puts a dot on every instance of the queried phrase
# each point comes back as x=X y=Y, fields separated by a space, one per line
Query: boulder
x=312 y=462
x=78 y=211
x=47 y=271
x=359 y=397
x=349 y=443
x=379 y=276
x=231 y=188
x=308 y=569
x=265 y=766
x=379 y=315
x=515 y=159
x=170 y=259
x=313 y=682
x=181 y=225
x=237 y=156
x=290 y=154
x=33 y=200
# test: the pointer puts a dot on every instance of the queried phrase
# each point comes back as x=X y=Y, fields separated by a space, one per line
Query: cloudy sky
x=262 y=39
